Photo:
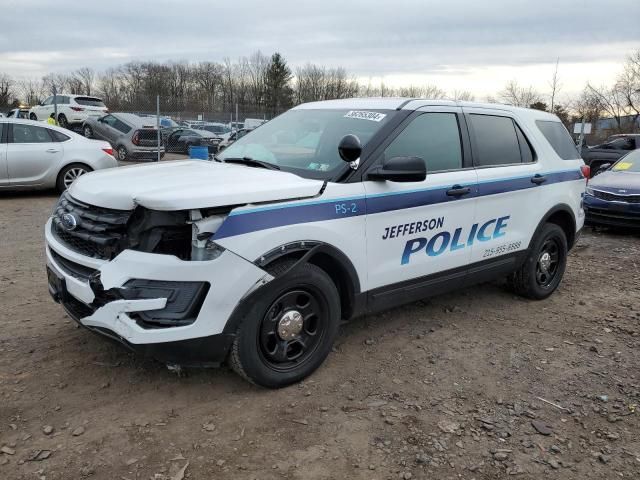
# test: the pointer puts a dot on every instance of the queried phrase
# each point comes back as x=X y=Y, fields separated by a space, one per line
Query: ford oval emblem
x=69 y=221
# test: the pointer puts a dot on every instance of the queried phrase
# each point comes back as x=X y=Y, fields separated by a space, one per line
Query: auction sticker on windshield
x=364 y=115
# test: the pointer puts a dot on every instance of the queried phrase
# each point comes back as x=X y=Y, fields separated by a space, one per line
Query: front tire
x=542 y=271
x=289 y=332
x=87 y=131
x=69 y=174
x=33 y=116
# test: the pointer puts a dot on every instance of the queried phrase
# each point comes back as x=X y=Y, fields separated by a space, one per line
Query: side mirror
x=350 y=148
x=602 y=168
x=400 y=169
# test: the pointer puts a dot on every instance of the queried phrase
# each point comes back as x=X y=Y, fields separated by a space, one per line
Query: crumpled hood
x=615 y=181
x=184 y=185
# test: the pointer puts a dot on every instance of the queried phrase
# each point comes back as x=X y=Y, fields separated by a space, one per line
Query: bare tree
x=6 y=90
x=555 y=85
x=462 y=96
x=628 y=87
x=610 y=101
x=86 y=76
x=32 y=91
x=518 y=96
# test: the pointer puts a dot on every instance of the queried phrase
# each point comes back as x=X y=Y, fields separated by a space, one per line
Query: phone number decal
x=501 y=249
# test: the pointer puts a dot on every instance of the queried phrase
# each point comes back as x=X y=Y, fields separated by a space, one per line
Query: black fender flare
x=304 y=252
x=563 y=208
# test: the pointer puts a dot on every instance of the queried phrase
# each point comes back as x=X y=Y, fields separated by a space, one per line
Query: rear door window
x=496 y=140
x=559 y=139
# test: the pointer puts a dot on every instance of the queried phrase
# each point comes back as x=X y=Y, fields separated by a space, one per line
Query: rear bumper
x=611 y=213
x=145 y=153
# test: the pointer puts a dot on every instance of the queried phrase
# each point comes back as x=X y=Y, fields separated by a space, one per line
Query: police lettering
x=443 y=241
x=413 y=227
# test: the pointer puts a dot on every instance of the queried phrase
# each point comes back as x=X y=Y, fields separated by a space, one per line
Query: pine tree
x=279 y=94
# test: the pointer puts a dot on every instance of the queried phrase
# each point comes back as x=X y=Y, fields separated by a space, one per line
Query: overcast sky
x=475 y=45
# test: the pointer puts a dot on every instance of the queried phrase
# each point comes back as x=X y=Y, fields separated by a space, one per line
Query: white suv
x=332 y=210
x=72 y=109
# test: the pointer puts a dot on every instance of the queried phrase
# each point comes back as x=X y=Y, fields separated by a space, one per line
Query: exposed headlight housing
x=589 y=191
x=209 y=251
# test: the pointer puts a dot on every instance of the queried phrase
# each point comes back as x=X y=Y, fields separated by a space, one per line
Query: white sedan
x=36 y=156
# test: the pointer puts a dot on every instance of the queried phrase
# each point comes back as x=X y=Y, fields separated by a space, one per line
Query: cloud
x=369 y=38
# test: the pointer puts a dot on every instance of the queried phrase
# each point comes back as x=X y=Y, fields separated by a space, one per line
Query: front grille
x=601 y=215
x=92 y=231
x=72 y=268
x=612 y=197
x=76 y=309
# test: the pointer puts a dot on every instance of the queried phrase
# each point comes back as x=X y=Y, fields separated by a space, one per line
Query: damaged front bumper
x=159 y=305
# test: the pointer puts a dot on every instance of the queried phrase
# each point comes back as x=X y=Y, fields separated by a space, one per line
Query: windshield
x=306 y=141
x=628 y=163
x=168 y=123
x=216 y=128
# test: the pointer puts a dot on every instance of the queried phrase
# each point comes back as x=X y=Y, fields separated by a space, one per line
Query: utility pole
x=55 y=103
x=158 y=123
x=237 y=120
x=581 y=139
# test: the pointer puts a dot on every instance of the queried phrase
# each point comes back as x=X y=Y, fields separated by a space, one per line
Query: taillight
x=136 y=138
x=586 y=172
x=77 y=109
x=108 y=151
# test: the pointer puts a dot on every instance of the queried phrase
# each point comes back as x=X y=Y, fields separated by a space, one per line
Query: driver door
x=416 y=230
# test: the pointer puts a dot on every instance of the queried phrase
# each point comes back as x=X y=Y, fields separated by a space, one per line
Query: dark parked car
x=133 y=137
x=613 y=196
x=608 y=152
x=181 y=139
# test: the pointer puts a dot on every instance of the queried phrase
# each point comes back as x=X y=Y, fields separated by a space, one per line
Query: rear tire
x=123 y=155
x=69 y=173
x=62 y=121
x=542 y=271
x=289 y=332
x=33 y=116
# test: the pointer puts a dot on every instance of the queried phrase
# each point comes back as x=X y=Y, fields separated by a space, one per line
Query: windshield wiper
x=252 y=162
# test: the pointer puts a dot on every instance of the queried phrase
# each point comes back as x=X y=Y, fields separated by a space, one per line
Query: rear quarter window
x=559 y=138
x=58 y=136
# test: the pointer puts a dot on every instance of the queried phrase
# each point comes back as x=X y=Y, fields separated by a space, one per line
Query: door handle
x=458 y=191
x=52 y=150
x=538 y=179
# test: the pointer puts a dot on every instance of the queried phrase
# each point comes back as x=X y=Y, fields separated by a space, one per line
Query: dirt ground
x=450 y=388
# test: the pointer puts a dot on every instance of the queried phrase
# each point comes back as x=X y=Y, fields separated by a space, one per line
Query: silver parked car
x=133 y=137
x=34 y=155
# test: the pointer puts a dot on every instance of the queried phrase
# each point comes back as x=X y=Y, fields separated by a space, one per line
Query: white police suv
x=329 y=211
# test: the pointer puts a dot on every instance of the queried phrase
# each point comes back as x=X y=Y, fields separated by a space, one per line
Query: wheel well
x=333 y=267
x=564 y=220
x=75 y=164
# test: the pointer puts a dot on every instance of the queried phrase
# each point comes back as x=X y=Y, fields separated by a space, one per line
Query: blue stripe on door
x=272 y=216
